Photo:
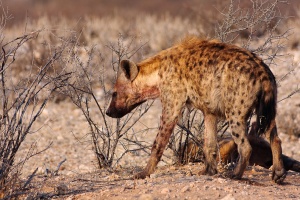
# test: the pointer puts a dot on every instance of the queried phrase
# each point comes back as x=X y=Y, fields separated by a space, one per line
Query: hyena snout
x=117 y=107
x=115 y=113
x=118 y=111
x=110 y=113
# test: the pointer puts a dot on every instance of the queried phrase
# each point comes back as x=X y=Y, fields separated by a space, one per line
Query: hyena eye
x=114 y=94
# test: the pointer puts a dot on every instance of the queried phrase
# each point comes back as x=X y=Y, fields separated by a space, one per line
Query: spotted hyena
x=221 y=80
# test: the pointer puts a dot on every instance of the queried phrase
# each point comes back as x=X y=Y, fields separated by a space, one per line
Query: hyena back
x=221 y=80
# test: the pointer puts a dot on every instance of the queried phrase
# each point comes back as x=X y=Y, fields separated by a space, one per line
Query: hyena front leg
x=161 y=140
x=279 y=173
x=238 y=128
x=168 y=121
x=210 y=145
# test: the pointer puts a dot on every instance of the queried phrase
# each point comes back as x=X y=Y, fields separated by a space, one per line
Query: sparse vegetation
x=22 y=102
x=83 y=90
x=75 y=61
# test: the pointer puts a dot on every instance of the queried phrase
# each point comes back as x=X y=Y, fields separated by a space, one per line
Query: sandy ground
x=169 y=182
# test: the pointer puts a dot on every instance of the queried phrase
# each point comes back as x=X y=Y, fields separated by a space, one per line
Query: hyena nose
x=108 y=112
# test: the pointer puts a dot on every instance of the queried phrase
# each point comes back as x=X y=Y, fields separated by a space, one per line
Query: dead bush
x=89 y=89
x=23 y=99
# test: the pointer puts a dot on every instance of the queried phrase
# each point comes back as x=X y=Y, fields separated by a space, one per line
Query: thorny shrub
x=22 y=102
x=88 y=88
x=23 y=99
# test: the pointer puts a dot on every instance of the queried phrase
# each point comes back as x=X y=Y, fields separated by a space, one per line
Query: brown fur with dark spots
x=261 y=154
x=213 y=77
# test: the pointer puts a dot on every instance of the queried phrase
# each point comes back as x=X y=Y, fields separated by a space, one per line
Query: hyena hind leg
x=210 y=145
x=238 y=128
x=279 y=172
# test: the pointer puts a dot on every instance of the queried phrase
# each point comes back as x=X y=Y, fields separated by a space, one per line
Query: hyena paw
x=232 y=175
x=208 y=171
x=141 y=175
x=278 y=176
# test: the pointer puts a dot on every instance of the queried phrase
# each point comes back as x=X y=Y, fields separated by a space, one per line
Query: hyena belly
x=225 y=94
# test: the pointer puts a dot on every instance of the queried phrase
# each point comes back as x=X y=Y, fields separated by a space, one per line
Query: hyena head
x=125 y=96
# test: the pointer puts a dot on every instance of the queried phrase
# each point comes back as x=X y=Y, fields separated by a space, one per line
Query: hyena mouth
x=135 y=105
x=119 y=113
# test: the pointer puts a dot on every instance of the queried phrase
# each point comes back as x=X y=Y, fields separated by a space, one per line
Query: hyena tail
x=266 y=108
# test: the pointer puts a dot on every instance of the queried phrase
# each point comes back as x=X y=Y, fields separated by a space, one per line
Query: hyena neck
x=147 y=80
x=150 y=92
x=147 y=86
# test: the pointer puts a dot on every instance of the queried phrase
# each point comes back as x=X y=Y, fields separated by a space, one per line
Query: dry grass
x=99 y=31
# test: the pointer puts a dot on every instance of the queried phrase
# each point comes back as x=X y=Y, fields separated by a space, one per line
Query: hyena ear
x=130 y=69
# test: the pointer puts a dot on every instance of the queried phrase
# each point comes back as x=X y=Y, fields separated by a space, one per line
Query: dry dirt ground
x=64 y=126
x=169 y=182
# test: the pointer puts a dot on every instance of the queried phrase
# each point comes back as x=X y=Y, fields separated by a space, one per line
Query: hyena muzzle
x=221 y=80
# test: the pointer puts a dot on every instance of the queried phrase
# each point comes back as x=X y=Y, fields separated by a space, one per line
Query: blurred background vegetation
x=77 y=9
